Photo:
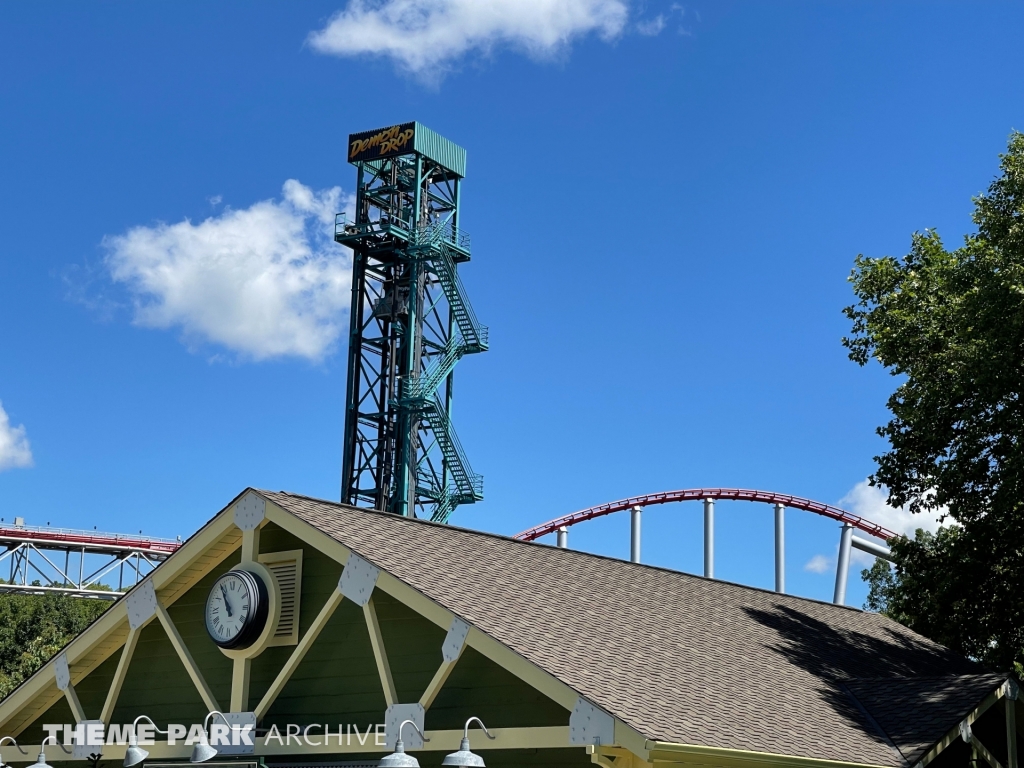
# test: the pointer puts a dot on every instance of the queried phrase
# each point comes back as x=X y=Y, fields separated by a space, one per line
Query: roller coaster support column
x=843 y=566
x=634 y=538
x=563 y=538
x=780 y=548
x=709 y=538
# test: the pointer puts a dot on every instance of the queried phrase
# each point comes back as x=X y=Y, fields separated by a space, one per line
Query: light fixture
x=464 y=758
x=15 y=743
x=399 y=758
x=202 y=751
x=136 y=754
x=41 y=762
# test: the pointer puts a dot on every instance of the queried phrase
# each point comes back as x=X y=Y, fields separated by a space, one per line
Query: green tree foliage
x=950 y=325
x=34 y=628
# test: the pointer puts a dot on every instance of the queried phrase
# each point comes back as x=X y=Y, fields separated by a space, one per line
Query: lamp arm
x=465 y=733
x=413 y=724
x=14 y=742
x=206 y=722
x=147 y=717
x=42 y=747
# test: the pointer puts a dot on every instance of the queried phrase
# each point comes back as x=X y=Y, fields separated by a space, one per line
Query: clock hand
x=227 y=605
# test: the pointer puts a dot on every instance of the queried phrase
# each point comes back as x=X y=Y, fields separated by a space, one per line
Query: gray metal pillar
x=843 y=566
x=871 y=548
x=563 y=538
x=780 y=548
x=634 y=537
x=709 y=538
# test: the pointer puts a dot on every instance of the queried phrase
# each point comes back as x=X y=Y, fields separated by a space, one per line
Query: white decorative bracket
x=395 y=715
x=358 y=579
x=141 y=604
x=590 y=725
x=250 y=511
x=88 y=740
x=242 y=735
x=63 y=672
x=455 y=640
x=965 y=731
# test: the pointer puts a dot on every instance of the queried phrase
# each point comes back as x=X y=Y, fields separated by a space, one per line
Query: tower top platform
x=407 y=139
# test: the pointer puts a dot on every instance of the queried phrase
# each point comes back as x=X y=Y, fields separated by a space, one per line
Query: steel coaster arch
x=699 y=494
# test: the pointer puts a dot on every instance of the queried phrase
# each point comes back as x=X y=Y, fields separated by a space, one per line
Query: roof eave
x=666 y=751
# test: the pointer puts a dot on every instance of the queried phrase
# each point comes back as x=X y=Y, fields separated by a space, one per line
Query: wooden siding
x=478 y=686
x=413 y=644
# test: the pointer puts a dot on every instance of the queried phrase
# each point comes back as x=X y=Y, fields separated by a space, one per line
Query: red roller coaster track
x=698 y=494
x=88 y=539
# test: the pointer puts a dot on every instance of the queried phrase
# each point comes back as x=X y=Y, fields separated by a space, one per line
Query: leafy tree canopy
x=950 y=325
x=34 y=628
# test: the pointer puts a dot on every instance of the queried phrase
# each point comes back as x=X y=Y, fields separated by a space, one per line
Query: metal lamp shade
x=134 y=755
x=202 y=751
x=41 y=762
x=399 y=758
x=463 y=758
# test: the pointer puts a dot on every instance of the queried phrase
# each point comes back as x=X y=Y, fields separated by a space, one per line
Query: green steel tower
x=411 y=322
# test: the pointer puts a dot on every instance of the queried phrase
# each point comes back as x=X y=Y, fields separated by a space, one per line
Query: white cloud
x=425 y=37
x=651 y=27
x=870 y=503
x=14 y=447
x=818 y=564
x=264 y=281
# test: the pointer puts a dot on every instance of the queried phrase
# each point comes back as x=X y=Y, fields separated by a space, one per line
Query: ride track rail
x=88 y=539
x=699 y=494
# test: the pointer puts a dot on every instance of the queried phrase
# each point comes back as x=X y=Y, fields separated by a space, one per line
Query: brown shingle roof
x=678 y=657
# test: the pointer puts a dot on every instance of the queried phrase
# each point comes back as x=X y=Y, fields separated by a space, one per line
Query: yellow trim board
x=186 y=658
x=954 y=732
x=74 y=703
x=436 y=683
x=240 y=673
x=692 y=754
x=127 y=651
x=297 y=655
x=380 y=653
x=555 y=737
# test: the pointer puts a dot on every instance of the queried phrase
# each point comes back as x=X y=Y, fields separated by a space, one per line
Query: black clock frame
x=257 y=618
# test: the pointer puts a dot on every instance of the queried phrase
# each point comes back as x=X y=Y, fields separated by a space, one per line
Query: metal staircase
x=464 y=485
x=469 y=337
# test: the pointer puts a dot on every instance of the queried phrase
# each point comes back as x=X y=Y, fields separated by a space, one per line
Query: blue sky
x=665 y=202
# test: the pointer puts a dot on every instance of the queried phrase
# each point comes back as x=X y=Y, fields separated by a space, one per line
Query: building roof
x=681 y=658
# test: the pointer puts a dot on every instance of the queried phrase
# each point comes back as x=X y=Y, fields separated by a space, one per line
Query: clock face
x=236 y=609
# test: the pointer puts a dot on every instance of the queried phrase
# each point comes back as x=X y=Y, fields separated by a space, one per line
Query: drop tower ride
x=411 y=323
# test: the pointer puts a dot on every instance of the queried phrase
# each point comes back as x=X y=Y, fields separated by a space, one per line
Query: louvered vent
x=287 y=569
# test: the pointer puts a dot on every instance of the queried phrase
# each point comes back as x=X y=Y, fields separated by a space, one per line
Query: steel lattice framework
x=411 y=322
x=78 y=563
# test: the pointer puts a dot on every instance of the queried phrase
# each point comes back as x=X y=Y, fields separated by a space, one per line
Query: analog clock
x=236 y=609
